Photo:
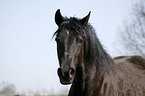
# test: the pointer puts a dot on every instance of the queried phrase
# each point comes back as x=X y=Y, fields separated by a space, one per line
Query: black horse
x=89 y=68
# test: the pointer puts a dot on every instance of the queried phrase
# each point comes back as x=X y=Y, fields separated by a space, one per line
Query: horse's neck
x=93 y=80
x=86 y=83
x=87 y=80
x=95 y=77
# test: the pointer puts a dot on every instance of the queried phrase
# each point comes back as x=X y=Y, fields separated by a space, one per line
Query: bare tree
x=6 y=88
x=132 y=35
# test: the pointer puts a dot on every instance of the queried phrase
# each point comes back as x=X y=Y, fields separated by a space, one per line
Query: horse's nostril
x=72 y=71
x=59 y=71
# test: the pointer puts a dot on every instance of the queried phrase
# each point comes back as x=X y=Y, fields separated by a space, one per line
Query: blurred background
x=28 y=56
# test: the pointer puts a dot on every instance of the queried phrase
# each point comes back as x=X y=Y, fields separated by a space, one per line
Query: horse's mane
x=94 y=52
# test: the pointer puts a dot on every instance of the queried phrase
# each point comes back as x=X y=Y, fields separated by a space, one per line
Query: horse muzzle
x=66 y=76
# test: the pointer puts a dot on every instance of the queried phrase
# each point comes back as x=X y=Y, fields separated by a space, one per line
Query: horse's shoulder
x=137 y=61
x=120 y=57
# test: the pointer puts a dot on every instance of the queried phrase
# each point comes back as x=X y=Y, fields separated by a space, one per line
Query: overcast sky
x=28 y=57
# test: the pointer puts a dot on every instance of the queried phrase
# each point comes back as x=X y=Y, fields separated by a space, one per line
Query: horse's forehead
x=67 y=32
x=64 y=33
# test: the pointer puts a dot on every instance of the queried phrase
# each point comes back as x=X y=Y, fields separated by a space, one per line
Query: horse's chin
x=66 y=83
x=63 y=82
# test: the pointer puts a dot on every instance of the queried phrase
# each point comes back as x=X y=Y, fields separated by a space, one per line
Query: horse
x=86 y=65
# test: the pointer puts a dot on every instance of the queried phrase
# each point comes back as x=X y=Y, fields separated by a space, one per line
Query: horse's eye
x=79 y=40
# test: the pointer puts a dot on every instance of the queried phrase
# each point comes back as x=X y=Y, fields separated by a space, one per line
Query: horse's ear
x=58 y=17
x=85 y=20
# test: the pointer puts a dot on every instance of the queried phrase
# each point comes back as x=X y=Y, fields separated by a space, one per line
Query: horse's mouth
x=66 y=82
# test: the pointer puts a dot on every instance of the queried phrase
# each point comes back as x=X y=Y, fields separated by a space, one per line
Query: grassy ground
x=31 y=95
